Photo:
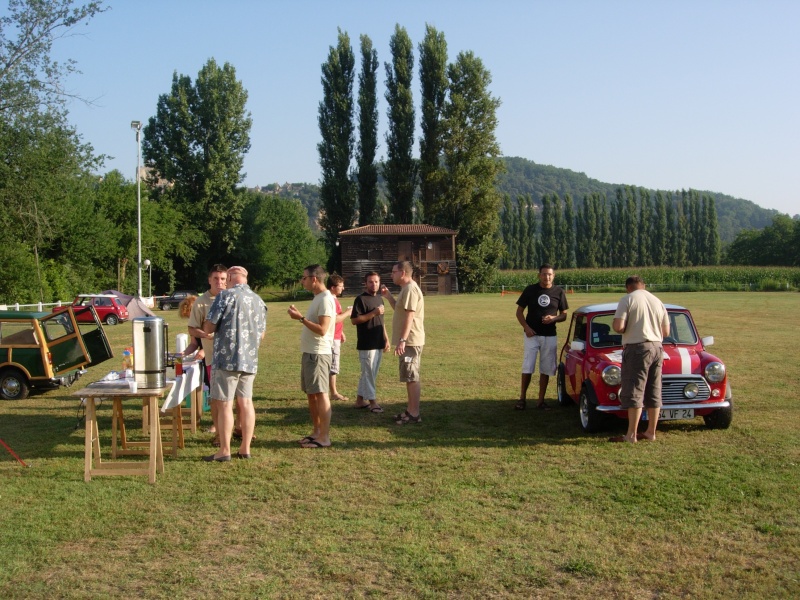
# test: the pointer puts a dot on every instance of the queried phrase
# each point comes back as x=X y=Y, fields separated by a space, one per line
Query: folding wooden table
x=118 y=391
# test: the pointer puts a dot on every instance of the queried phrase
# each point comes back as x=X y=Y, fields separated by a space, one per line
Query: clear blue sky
x=699 y=94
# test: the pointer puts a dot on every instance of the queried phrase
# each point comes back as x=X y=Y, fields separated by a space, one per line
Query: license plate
x=672 y=414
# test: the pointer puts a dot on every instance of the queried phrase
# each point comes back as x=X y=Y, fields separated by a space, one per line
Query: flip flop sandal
x=313 y=444
x=376 y=410
x=405 y=417
x=520 y=405
x=361 y=406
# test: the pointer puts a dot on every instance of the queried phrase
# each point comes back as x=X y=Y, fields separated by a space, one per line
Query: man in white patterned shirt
x=238 y=318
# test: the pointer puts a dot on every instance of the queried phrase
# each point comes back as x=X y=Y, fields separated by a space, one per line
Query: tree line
x=634 y=228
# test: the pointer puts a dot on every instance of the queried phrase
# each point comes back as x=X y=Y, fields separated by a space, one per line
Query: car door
x=64 y=341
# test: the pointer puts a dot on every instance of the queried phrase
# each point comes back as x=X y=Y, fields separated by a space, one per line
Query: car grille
x=672 y=388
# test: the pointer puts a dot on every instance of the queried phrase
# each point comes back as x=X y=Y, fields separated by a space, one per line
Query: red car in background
x=694 y=382
x=107 y=306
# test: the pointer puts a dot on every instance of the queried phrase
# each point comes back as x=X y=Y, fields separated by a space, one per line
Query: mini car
x=694 y=382
x=46 y=350
x=106 y=306
x=172 y=301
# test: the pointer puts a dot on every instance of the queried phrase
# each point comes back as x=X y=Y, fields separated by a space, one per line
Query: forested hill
x=525 y=177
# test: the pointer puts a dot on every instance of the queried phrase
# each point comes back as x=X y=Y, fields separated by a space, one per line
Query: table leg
x=90 y=429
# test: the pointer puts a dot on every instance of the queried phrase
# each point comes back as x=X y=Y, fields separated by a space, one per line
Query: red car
x=107 y=306
x=694 y=382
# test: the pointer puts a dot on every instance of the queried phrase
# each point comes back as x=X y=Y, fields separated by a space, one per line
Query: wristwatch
x=403 y=341
x=302 y=319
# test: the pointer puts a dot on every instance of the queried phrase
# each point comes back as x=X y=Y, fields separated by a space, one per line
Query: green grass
x=478 y=501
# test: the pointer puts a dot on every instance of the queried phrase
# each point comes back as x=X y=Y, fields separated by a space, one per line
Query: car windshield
x=681 y=329
x=602 y=335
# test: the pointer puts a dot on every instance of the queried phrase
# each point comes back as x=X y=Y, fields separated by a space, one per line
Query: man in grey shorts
x=316 y=344
x=238 y=319
x=643 y=322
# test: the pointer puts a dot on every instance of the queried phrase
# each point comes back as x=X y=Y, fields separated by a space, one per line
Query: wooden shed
x=432 y=251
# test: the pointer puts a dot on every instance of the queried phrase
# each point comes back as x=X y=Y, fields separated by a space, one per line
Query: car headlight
x=612 y=375
x=715 y=372
x=691 y=390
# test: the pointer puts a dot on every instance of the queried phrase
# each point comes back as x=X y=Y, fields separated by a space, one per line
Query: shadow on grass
x=456 y=423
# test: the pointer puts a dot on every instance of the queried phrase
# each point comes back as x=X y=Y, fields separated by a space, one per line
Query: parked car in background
x=694 y=381
x=46 y=350
x=172 y=301
x=107 y=306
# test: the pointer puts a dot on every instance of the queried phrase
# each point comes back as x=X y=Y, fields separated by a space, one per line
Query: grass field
x=478 y=501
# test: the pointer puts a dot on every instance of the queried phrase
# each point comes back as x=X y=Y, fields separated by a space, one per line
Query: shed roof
x=419 y=229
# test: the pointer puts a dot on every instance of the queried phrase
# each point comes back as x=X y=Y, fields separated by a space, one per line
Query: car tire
x=592 y=420
x=720 y=418
x=112 y=320
x=564 y=399
x=166 y=306
x=13 y=385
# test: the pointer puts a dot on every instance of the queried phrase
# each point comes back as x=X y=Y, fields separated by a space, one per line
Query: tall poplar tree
x=336 y=147
x=367 y=170
x=400 y=168
x=645 y=229
x=659 y=246
x=548 y=236
x=433 y=92
x=570 y=261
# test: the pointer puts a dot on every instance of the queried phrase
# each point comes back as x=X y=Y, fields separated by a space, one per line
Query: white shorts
x=546 y=348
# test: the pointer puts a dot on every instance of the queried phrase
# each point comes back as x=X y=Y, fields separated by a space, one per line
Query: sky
x=677 y=94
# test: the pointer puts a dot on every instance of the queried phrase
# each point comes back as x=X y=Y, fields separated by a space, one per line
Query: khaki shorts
x=336 y=351
x=409 y=364
x=225 y=385
x=641 y=375
x=315 y=373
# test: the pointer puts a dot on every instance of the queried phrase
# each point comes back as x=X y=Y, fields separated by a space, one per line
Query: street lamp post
x=149 y=266
x=137 y=126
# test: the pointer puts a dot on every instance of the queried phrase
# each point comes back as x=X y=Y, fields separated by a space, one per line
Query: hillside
x=525 y=177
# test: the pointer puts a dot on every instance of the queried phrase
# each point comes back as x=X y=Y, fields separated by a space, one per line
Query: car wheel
x=112 y=320
x=720 y=418
x=564 y=399
x=13 y=385
x=592 y=420
x=166 y=306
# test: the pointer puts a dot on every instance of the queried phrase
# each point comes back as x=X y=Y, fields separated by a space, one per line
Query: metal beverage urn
x=150 y=351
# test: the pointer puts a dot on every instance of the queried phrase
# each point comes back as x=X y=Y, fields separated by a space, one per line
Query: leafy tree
x=470 y=203
x=166 y=235
x=548 y=236
x=42 y=166
x=400 y=170
x=336 y=147
x=367 y=170
x=560 y=246
x=645 y=229
x=197 y=143
x=30 y=80
x=776 y=244
x=711 y=240
x=278 y=243
x=433 y=92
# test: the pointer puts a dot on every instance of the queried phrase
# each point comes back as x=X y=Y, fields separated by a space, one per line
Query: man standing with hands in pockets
x=408 y=336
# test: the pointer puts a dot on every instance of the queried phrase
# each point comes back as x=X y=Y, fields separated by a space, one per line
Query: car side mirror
x=577 y=345
x=708 y=341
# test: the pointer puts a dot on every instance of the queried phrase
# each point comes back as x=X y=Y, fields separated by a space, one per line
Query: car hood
x=678 y=360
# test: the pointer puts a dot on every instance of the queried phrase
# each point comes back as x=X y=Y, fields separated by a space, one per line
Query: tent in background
x=136 y=306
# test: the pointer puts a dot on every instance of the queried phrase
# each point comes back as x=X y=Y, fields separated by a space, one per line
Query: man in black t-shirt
x=372 y=340
x=546 y=305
